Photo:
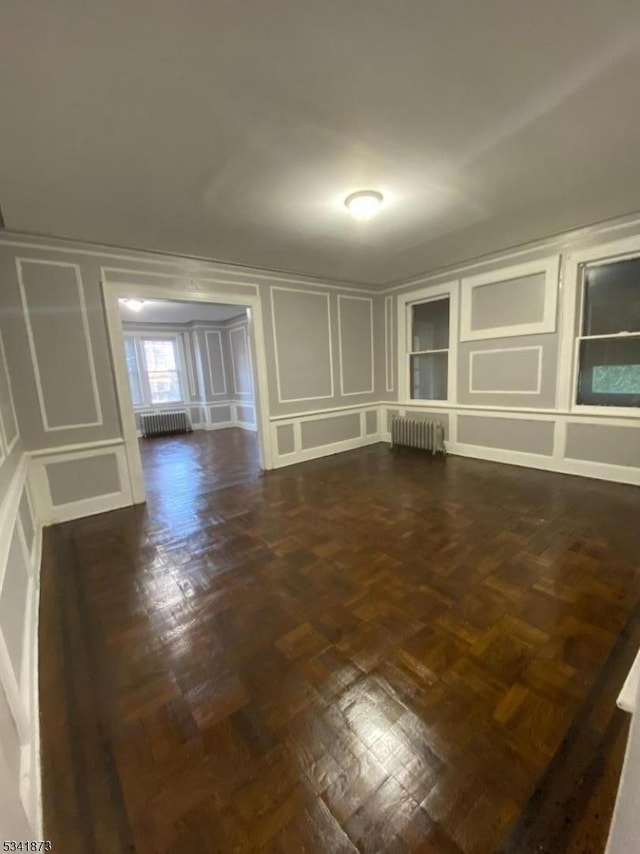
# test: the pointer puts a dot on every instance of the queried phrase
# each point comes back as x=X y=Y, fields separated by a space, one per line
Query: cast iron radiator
x=417 y=433
x=165 y=423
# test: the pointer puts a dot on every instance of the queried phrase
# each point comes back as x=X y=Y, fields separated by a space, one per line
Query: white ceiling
x=234 y=130
x=168 y=311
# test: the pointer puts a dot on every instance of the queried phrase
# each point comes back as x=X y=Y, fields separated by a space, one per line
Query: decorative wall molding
x=549 y=266
x=32 y=346
x=48 y=512
x=534 y=391
x=371 y=389
x=274 y=333
x=210 y=363
x=388 y=344
x=241 y=328
x=299 y=455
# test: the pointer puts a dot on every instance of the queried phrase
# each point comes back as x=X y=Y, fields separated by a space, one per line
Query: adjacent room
x=320 y=427
x=190 y=394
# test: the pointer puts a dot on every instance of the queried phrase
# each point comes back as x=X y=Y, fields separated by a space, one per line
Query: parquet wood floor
x=370 y=652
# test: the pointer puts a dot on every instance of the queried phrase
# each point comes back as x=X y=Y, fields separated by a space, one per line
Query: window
x=161 y=364
x=153 y=365
x=133 y=370
x=429 y=350
x=609 y=354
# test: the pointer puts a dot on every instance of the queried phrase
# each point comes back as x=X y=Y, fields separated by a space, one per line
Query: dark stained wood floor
x=369 y=652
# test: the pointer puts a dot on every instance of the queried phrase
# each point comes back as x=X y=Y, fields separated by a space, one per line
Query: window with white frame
x=429 y=349
x=154 y=369
x=609 y=342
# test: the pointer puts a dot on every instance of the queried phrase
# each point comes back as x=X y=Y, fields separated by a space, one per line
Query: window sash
x=144 y=374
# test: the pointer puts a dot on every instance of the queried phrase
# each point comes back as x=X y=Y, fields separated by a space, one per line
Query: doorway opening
x=192 y=402
x=191 y=385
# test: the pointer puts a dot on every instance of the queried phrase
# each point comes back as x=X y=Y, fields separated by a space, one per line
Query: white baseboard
x=581 y=468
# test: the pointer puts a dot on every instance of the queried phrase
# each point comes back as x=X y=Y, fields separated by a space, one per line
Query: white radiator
x=417 y=433
x=164 y=423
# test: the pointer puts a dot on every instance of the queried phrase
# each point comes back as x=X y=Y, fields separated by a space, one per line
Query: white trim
x=535 y=391
x=5 y=445
x=194 y=278
x=217 y=332
x=192 y=265
x=275 y=346
x=71 y=449
x=32 y=347
x=403 y=321
x=328 y=410
x=371 y=390
x=388 y=344
x=549 y=266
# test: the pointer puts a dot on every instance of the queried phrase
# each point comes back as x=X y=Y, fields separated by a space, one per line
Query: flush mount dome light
x=133 y=304
x=364 y=204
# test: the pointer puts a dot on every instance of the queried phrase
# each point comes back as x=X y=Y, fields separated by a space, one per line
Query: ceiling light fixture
x=364 y=204
x=133 y=304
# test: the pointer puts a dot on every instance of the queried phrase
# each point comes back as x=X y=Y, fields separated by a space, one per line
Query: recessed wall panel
x=600 y=443
x=511 y=303
x=80 y=479
x=518 y=371
x=302 y=341
x=508 y=434
x=356 y=345
x=220 y=414
x=60 y=345
x=371 y=422
x=286 y=442
x=328 y=431
x=215 y=358
x=240 y=362
x=245 y=414
x=508 y=370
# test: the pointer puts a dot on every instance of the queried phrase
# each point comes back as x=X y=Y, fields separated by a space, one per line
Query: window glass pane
x=430 y=325
x=160 y=355
x=612 y=298
x=610 y=372
x=429 y=373
x=164 y=386
x=132 y=369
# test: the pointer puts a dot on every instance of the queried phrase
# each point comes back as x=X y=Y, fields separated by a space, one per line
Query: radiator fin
x=168 y=423
x=418 y=433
